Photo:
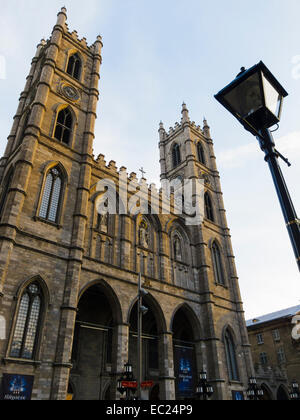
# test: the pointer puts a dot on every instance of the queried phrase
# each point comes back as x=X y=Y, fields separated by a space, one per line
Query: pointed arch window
x=74 y=66
x=64 y=126
x=26 y=331
x=176 y=155
x=52 y=195
x=217 y=264
x=209 y=213
x=201 y=155
x=231 y=357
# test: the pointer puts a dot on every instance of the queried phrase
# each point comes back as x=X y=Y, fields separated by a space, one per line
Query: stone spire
x=206 y=129
x=185 y=113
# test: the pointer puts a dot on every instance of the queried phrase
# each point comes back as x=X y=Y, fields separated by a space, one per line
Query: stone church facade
x=69 y=276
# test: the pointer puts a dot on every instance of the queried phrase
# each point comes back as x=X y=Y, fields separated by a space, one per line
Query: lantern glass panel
x=272 y=97
x=246 y=98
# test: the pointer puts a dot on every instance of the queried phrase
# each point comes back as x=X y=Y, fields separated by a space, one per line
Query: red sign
x=127 y=384
x=148 y=384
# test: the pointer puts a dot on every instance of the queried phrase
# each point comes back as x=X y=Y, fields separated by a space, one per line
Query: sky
x=158 y=54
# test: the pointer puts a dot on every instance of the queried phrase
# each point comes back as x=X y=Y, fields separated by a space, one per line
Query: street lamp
x=254 y=392
x=126 y=383
x=142 y=310
x=204 y=390
x=295 y=394
x=255 y=99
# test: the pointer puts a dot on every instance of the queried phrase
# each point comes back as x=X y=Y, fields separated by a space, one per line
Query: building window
x=263 y=358
x=64 y=125
x=260 y=338
x=209 y=213
x=27 y=326
x=276 y=335
x=231 y=357
x=176 y=155
x=200 y=151
x=52 y=196
x=281 y=355
x=74 y=66
x=217 y=264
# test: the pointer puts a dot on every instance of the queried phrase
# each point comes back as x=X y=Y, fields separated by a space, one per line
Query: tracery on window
x=28 y=321
x=52 y=195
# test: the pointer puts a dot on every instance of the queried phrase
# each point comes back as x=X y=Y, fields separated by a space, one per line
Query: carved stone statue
x=144 y=235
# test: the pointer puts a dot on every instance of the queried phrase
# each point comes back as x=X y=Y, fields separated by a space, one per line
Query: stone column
x=166 y=359
x=126 y=244
x=165 y=257
x=120 y=355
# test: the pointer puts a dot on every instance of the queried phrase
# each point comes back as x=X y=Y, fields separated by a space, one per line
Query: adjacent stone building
x=275 y=347
x=69 y=276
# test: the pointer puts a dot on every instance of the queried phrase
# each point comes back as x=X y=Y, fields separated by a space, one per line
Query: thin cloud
x=239 y=156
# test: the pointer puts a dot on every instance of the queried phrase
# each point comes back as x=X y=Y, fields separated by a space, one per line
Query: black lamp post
x=126 y=383
x=295 y=394
x=204 y=390
x=142 y=310
x=254 y=392
x=255 y=98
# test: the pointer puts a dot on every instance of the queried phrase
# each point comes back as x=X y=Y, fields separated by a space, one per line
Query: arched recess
x=32 y=300
x=186 y=332
x=94 y=354
x=153 y=325
x=282 y=394
x=230 y=349
x=267 y=393
x=57 y=109
x=181 y=255
x=52 y=196
x=147 y=230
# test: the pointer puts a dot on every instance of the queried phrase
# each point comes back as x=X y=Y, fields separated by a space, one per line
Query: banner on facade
x=184 y=359
x=16 y=387
x=238 y=396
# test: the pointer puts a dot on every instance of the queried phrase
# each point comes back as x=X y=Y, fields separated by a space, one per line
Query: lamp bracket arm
x=283 y=158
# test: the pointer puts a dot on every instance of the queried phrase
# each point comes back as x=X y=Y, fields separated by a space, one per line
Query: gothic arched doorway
x=93 y=357
x=282 y=395
x=152 y=327
x=267 y=393
x=185 y=365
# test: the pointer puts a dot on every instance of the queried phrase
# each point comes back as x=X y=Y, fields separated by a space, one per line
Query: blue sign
x=185 y=377
x=238 y=396
x=16 y=387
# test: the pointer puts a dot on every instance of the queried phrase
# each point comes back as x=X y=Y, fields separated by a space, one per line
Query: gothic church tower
x=69 y=276
x=49 y=153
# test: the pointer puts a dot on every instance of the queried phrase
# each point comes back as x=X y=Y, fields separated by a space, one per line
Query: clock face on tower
x=70 y=92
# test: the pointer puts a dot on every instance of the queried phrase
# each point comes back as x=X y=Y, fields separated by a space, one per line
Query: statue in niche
x=102 y=223
x=144 y=235
x=177 y=249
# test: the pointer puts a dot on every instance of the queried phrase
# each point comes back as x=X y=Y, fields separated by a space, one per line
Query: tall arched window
x=201 y=155
x=26 y=331
x=176 y=155
x=52 y=195
x=209 y=213
x=74 y=66
x=231 y=357
x=64 y=125
x=217 y=263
